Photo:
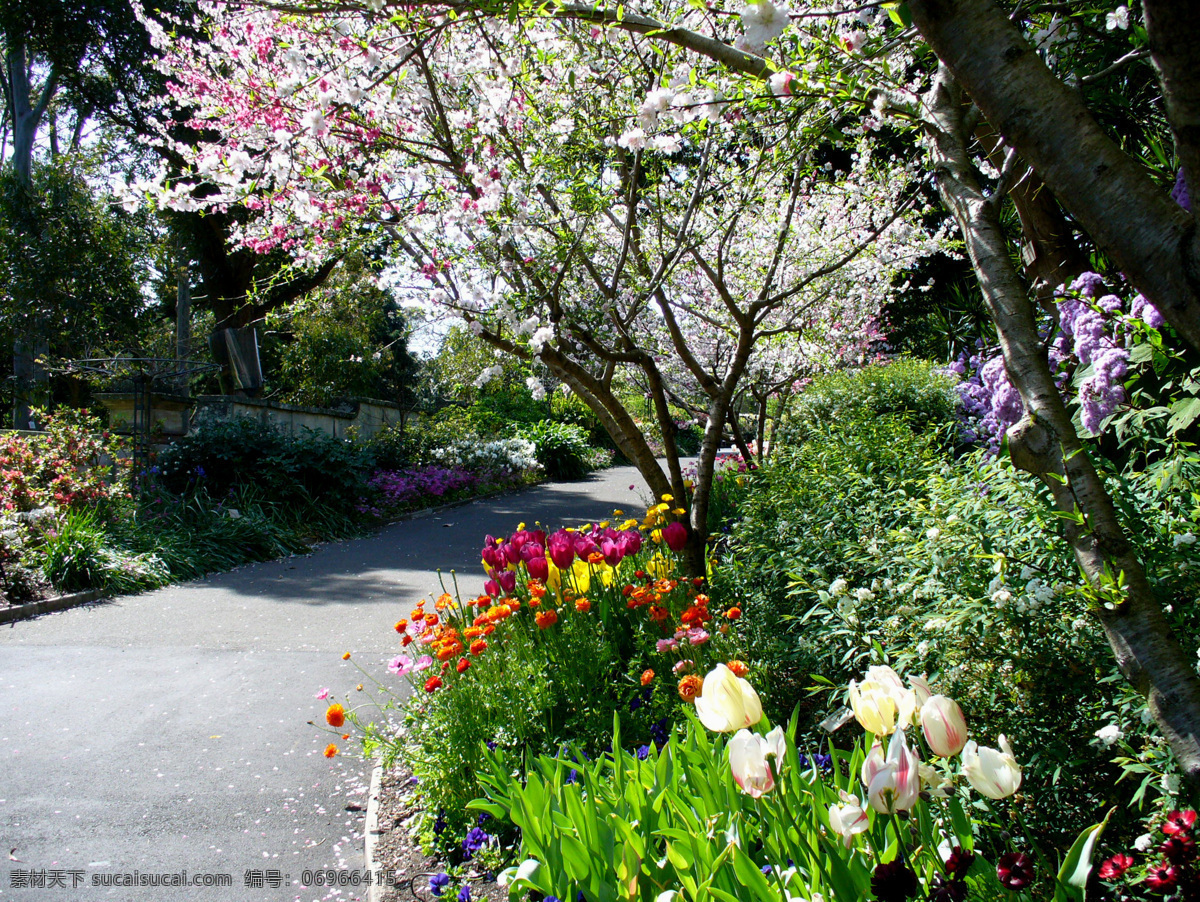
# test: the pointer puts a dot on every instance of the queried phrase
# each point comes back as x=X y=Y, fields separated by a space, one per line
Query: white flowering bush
x=506 y=456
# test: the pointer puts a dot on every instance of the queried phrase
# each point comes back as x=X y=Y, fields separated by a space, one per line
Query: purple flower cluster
x=398 y=488
x=1090 y=333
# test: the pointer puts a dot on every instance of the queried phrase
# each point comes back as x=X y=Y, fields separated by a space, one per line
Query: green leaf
x=575 y=857
x=1184 y=412
x=1077 y=865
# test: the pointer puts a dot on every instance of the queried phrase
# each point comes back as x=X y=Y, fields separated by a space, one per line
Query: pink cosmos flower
x=423 y=663
x=323 y=694
x=401 y=664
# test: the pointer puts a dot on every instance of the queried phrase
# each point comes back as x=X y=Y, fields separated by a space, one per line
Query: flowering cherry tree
x=590 y=201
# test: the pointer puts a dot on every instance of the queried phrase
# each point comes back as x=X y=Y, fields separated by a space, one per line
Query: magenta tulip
x=675 y=535
x=538 y=567
x=561 y=549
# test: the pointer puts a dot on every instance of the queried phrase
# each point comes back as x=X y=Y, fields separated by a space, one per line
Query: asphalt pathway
x=168 y=733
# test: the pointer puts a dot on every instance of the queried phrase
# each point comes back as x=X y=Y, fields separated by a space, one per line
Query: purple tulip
x=612 y=551
x=561 y=549
x=538 y=567
x=631 y=542
x=492 y=588
x=584 y=546
x=490 y=556
x=532 y=550
x=507 y=580
x=675 y=535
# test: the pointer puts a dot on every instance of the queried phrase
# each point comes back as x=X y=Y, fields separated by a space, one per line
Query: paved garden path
x=168 y=731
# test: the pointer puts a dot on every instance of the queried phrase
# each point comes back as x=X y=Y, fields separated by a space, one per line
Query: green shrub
x=869 y=544
x=79 y=555
x=287 y=468
x=914 y=389
x=561 y=449
x=688 y=438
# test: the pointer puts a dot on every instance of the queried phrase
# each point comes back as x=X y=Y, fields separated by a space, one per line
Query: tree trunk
x=1045 y=444
x=1109 y=193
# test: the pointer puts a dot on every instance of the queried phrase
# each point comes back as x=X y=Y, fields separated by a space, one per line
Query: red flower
x=675 y=535
x=433 y=683
x=647 y=677
x=1115 y=867
x=1179 y=822
x=462 y=665
x=1015 y=870
x=959 y=862
x=1162 y=877
x=1178 y=848
x=335 y=716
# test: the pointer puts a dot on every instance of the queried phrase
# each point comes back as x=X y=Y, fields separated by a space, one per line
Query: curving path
x=167 y=732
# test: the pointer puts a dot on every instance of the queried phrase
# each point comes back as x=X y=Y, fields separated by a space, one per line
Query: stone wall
x=365 y=417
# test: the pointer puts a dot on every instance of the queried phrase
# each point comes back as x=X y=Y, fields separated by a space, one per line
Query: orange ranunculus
x=446 y=652
x=498 y=612
x=663 y=586
x=514 y=604
x=647 y=677
x=472 y=632
x=702 y=600
x=489 y=629
x=545 y=619
x=583 y=605
x=481 y=620
x=627 y=591
x=734 y=613
x=335 y=716
x=462 y=664
x=417 y=613
x=406 y=640
x=596 y=557
x=483 y=601
x=431 y=619
x=478 y=647
x=330 y=750
x=689 y=687
x=697 y=581
x=345 y=736
x=658 y=613
x=433 y=683
x=738 y=668
x=401 y=625
x=536 y=588
x=444 y=601
x=691 y=617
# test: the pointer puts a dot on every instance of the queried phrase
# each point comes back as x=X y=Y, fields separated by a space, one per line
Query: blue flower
x=440 y=824
x=438 y=883
x=464 y=894
x=766 y=869
x=643 y=752
x=573 y=776
x=484 y=817
x=200 y=472
x=491 y=746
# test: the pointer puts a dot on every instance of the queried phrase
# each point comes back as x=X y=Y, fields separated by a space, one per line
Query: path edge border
x=371 y=832
x=49 y=605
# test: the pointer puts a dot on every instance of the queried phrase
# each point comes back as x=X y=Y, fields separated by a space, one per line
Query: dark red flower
x=1162 y=877
x=1115 y=867
x=959 y=862
x=944 y=890
x=894 y=882
x=1178 y=848
x=1015 y=870
x=1179 y=822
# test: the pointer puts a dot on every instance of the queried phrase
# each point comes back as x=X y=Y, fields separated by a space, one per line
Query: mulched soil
x=397 y=850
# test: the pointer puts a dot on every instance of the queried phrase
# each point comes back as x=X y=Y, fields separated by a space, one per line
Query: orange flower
x=689 y=687
x=345 y=735
x=692 y=616
x=417 y=613
x=406 y=640
x=401 y=625
x=499 y=612
x=472 y=632
x=358 y=688
x=489 y=629
x=647 y=677
x=446 y=652
x=346 y=656
x=444 y=601
x=697 y=581
x=583 y=606
x=596 y=557
x=702 y=600
x=545 y=619
x=478 y=647
x=330 y=750
x=738 y=668
x=335 y=716
x=627 y=591
x=734 y=613
x=658 y=613
x=462 y=665
x=431 y=619
x=514 y=604
x=483 y=601
x=433 y=683
x=536 y=589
